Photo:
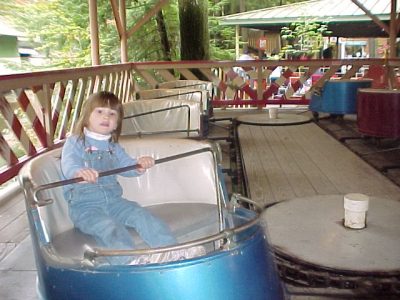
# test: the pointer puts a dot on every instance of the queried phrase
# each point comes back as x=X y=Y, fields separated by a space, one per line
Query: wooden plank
x=295 y=161
x=344 y=168
x=16 y=231
x=188 y=74
x=166 y=75
x=10 y=210
x=321 y=184
x=13 y=222
x=259 y=186
x=267 y=183
x=281 y=145
x=5 y=249
x=279 y=183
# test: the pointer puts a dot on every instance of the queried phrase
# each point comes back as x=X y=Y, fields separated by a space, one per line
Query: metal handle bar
x=165 y=109
x=172 y=95
x=107 y=173
x=142 y=133
x=184 y=93
x=202 y=84
x=159 y=110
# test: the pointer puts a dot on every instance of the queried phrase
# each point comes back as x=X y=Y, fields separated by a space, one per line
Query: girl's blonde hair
x=101 y=99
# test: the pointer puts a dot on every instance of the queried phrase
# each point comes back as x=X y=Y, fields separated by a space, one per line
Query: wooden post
x=244 y=31
x=159 y=5
x=392 y=43
x=94 y=33
x=124 y=42
x=237 y=31
x=393 y=30
x=47 y=114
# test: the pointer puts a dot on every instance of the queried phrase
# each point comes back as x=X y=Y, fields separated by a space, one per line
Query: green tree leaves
x=59 y=29
x=303 y=39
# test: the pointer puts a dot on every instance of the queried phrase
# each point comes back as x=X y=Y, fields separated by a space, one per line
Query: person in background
x=329 y=52
x=263 y=55
x=245 y=55
x=96 y=206
x=242 y=71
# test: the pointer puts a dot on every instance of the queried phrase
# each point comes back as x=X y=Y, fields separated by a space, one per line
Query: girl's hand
x=144 y=162
x=88 y=175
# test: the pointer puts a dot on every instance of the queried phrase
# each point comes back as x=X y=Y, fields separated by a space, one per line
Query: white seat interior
x=182 y=192
x=173 y=120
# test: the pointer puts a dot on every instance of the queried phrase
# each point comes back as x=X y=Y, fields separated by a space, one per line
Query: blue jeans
x=100 y=211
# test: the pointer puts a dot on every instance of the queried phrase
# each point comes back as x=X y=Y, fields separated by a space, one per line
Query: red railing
x=38 y=109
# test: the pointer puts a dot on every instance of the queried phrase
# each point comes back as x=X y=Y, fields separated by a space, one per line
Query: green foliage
x=59 y=29
x=222 y=38
x=303 y=39
x=145 y=45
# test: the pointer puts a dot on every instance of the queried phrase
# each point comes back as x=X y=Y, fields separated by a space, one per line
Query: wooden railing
x=38 y=109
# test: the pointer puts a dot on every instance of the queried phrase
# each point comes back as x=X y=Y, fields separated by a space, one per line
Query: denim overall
x=99 y=209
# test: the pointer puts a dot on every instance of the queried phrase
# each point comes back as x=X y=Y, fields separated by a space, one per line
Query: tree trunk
x=162 y=31
x=195 y=39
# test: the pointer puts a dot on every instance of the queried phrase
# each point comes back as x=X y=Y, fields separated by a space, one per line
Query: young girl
x=96 y=206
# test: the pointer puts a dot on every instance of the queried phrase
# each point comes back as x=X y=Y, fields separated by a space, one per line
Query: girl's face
x=103 y=120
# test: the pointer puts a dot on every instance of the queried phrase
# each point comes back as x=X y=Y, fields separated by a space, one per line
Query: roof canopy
x=6 y=29
x=344 y=17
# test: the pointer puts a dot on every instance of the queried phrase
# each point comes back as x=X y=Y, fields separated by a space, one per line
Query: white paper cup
x=355 y=210
x=273 y=113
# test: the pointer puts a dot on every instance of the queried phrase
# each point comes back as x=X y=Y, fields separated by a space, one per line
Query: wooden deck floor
x=285 y=162
x=280 y=163
x=17 y=265
x=13 y=225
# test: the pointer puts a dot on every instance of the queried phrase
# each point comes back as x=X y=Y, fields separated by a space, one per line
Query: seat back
x=186 y=180
x=193 y=84
x=162 y=116
x=198 y=95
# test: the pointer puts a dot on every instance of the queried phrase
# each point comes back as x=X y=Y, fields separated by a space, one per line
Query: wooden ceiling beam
x=156 y=8
x=117 y=17
x=373 y=17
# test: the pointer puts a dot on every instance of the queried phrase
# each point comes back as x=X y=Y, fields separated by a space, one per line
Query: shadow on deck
x=381 y=153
